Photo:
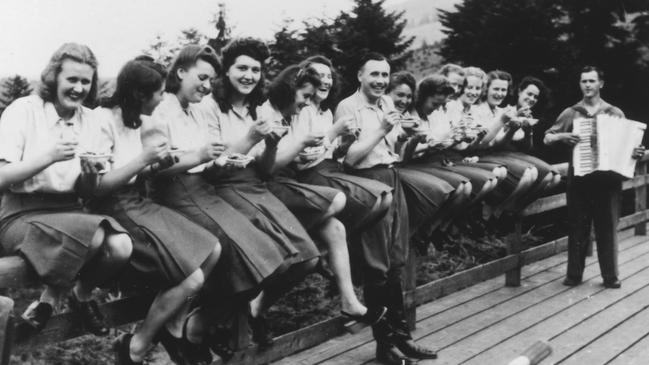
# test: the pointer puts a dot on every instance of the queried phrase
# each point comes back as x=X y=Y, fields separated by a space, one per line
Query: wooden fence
x=14 y=273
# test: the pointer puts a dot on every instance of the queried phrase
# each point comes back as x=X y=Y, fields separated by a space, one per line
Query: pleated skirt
x=167 y=247
x=52 y=232
x=249 y=256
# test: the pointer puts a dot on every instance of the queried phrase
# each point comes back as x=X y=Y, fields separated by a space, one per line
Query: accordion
x=606 y=144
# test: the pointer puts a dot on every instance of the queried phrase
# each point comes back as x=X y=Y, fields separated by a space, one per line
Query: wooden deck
x=491 y=324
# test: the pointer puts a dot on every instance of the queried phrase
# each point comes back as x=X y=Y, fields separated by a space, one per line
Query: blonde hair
x=68 y=51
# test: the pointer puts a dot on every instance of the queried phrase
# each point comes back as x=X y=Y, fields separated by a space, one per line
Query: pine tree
x=286 y=49
x=13 y=88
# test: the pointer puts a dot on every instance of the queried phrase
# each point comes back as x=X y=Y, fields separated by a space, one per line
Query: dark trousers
x=593 y=199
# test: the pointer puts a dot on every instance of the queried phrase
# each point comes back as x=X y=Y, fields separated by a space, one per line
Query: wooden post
x=6 y=329
x=410 y=285
x=641 y=199
x=534 y=354
x=514 y=247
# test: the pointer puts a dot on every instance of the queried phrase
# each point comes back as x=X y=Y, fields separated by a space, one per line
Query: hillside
x=423 y=22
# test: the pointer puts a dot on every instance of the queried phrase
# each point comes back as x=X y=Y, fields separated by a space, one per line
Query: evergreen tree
x=13 y=88
x=286 y=49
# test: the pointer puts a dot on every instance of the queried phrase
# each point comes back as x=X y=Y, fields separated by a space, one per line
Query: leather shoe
x=388 y=354
x=122 y=350
x=411 y=349
x=613 y=284
x=90 y=314
x=37 y=315
x=370 y=318
x=260 y=331
x=571 y=281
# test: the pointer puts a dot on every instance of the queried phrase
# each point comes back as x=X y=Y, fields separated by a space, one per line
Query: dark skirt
x=425 y=195
x=362 y=194
x=52 y=232
x=248 y=257
x=515 y=170
x=246 y=192
x=167 y=247
x=307 y=202
x=384 y=246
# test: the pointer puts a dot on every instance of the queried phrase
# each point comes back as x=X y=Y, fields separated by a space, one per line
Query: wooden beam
x=6 y=329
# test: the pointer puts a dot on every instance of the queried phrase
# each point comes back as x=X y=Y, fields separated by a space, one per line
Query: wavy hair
x=136 y=82
x=431 y=86
x=68 y=51
x=332 y=99
x=187 y=58
x=223 y=89
x=497 y=75
x=281 y=91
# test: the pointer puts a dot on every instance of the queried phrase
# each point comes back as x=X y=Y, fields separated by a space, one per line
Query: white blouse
x=187 y=129
x=313 y=120
x=230 y=126
x=28 y=126
x=122 y=142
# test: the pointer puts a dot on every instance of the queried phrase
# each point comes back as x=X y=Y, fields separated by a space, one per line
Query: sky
x=117 y=30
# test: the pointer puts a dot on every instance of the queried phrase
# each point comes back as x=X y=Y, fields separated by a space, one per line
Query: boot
x=397 y=319
x=386 y=353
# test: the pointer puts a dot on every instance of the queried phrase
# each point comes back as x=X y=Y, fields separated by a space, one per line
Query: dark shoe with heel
x=122 y=350
x=219 y=343
x=37 y=315
x=260 y=331
x=612 y=283
x=388 y=354
x=411 y=349
x=370 y=318
x=568 y=281
x=90 y=314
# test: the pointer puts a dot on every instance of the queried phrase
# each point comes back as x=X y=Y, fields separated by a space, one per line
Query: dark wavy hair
x=68 y=51
x=450 y=68
x=331 y=100
x=223 y=89
x=543 y=90
x=400 y=78
x=136 y=82
x=600 y=73
x=497 y=75
x=186 y=59
x=431 y=86
x=281 y=91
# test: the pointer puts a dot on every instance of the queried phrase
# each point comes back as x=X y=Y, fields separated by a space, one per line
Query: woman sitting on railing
x=233 y=118
x=41 y=218
x=170 y=252
x=521 y=174
x=314 y=205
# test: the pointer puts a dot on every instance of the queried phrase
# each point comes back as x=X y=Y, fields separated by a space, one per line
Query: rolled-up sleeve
x=13 y=124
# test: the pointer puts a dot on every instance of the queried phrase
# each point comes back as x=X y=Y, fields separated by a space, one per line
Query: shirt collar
x=362 y=102
x=581 y=107
x=53 y=117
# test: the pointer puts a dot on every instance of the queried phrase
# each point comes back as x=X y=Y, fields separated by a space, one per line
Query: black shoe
x=411 y=349
x=122 y=351
x=260 y=331
x=613 y=284
x=219 y=343
x=387 y=354
x=571 y=282
x=37 y=315
x=370 y=318
x=183 y=352
x=90 y=314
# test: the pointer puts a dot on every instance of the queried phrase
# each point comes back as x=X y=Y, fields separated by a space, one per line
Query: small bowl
x=97 y=159
x=238 y=160
x=311 y=152
x=280 y=130
x=176 y=152
x=409 y=124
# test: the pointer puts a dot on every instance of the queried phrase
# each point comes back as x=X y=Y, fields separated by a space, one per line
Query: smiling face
x=434 y=102
x=326 y=80
x=472 y=90
x=402 y=97
x=149 y=104
x=497 y=92
x=196 y=81
x=529 y=96
x=590 y=84
x=73 y=84
x=374 y=78
x=303 y=97
x=244 y=74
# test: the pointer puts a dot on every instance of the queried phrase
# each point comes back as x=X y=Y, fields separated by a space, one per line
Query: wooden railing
x=14 y=273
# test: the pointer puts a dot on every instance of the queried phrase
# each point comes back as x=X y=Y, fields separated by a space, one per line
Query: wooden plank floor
x=491 y=324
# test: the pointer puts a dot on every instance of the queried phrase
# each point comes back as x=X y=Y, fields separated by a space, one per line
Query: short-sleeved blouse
x=122 y=142
x=28 y=126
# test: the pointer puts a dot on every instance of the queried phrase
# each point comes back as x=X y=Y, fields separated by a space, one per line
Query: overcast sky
x=117 y=30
